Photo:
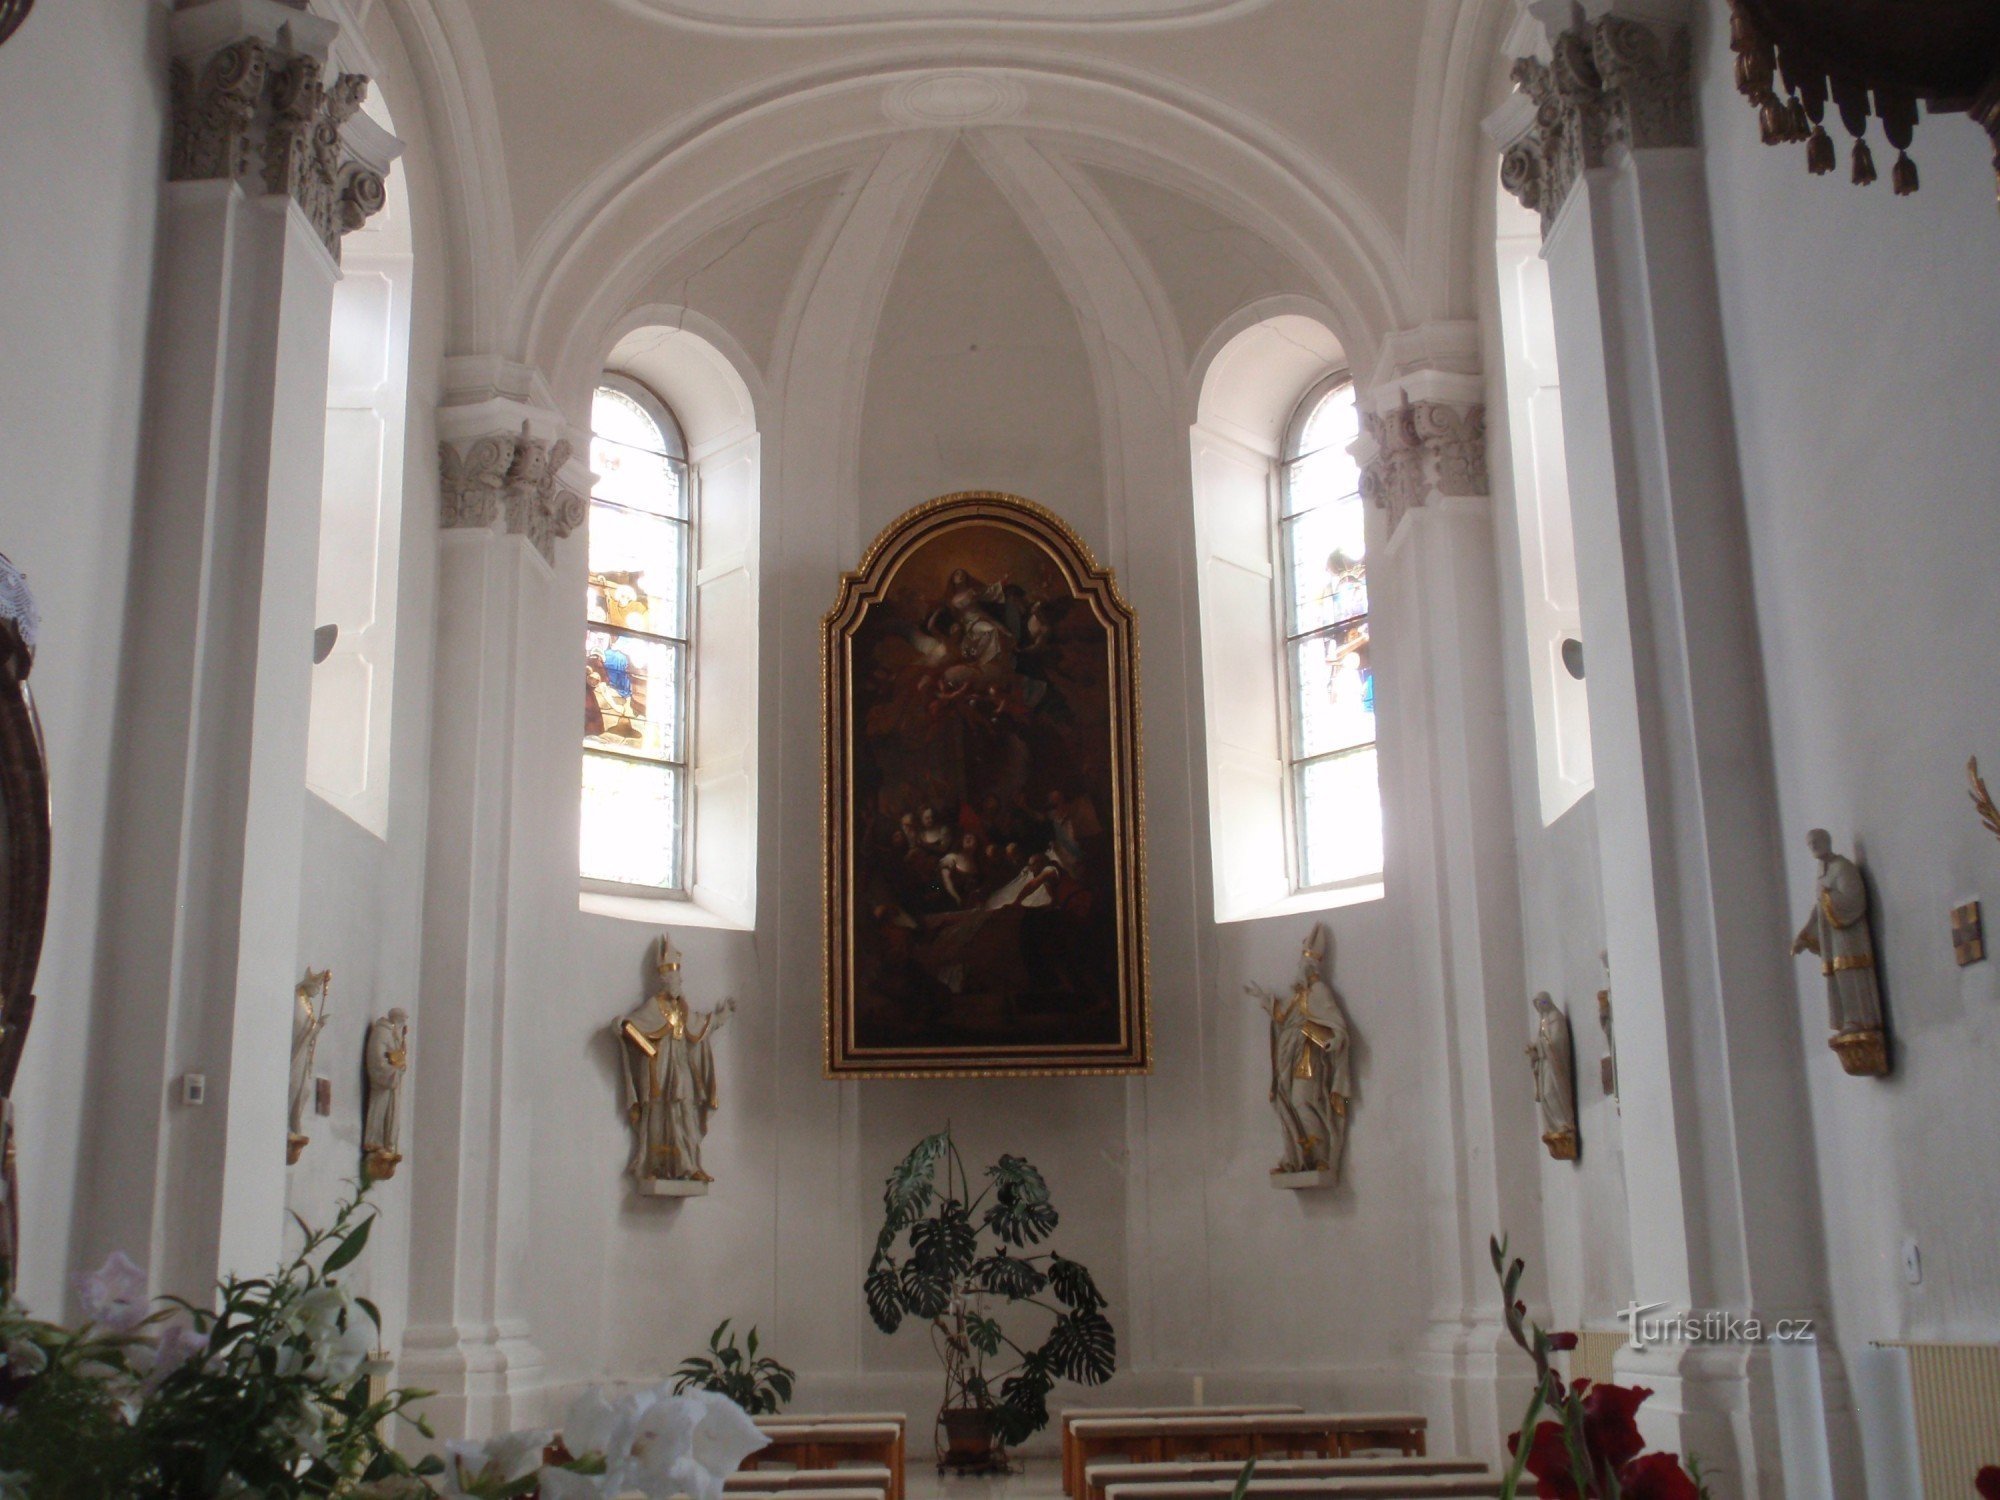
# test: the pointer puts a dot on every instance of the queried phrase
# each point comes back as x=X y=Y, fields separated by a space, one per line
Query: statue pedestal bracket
x=1302 y=1181
x=671 y=1187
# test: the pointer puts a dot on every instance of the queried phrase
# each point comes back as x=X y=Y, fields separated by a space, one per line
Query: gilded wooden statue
x=668 y=1057
x=1311 y=1072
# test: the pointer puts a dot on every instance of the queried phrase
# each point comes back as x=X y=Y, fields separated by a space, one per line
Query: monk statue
x=308 y=1021
x=1553 y=1061
x=669 y=1067
x=384 y=1062
x=1311 y=1072
x=1837 y=930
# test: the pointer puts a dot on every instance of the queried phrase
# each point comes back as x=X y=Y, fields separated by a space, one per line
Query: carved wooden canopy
x=1868 y=58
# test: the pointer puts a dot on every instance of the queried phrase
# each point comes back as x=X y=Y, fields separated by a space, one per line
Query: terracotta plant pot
x=968 y=1432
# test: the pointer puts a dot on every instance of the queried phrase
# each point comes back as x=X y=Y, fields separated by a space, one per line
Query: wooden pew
x=819 y=1419
x=806 y=1494
x=1098 y=1477
x=831 y=1442
x=1072 y=1467
x=1162 y=1439
x=876 y=1477
x=1482 y=1486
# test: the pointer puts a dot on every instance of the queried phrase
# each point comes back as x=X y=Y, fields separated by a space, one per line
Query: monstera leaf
x=1072 y=1284
x=1024 y=1409
x=908 y=1191
x=1021 y=1213
x=925 y=1296
x=944 y=1244
x=885 y=1297
x=1007 y=1277
x=983 y=1334
x=1082 y=1347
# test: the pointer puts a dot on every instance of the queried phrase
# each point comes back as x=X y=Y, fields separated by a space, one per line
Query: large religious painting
x=984 y=842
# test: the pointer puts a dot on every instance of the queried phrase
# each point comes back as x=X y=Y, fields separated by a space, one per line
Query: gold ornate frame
x=1091 y=585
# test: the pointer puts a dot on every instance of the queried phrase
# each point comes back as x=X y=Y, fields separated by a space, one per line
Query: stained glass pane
x=634 y=477
x=631 y=822
x=1324 y=470
x=636 y=565
x=1327 y=548
x=1335 y=423
x=616 y=416
x=632 y=694
x=1340 y=818
x=1334 y=706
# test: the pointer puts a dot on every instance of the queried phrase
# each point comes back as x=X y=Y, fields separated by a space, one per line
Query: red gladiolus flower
x=1657 y=1476
x=1988 y=1482
x=1548 y=1462
x=1562 y=1341
x=1608 y=1425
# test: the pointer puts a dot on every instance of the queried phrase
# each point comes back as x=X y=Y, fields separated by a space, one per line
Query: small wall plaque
x=1968 y=934
x=322 y=1096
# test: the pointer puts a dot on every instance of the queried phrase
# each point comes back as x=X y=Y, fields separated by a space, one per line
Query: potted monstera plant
x=962 y=1261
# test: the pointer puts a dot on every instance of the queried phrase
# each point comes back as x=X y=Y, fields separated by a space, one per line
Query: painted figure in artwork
x=669 y=1067
x=1311 y=1071
x=1553 y=1061
x=1837 y=930
x=386 y=1062
x=308 y=1021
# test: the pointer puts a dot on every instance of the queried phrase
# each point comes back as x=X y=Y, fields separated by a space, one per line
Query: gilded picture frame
x=984 y=806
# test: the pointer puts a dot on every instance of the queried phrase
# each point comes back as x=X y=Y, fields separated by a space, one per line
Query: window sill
x=661 y=911
x=1307 y=901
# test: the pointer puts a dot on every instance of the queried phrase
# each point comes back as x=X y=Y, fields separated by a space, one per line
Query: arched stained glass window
x=1335 y=792
x=637 y=647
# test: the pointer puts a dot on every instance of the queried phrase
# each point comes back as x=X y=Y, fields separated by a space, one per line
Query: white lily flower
x=114 y=1295
x=724 y=1437
x=473 y=1467
x=564 y=1484
x=595 y=1426
x=178 y=1344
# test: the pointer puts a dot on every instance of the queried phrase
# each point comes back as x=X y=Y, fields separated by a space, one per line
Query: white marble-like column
x=512 y=487
x=270 y=165
x=1722 y=1197
x=1434 y=593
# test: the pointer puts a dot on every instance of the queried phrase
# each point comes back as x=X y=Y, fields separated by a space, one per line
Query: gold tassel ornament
x=1864 y=163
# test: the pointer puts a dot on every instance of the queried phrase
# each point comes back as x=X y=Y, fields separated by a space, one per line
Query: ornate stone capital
x=510 y=482
x=1420 y=448
x=252 y=103
x=1609 y=82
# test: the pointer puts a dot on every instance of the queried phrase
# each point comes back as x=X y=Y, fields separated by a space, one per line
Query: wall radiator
x=1955 y=1391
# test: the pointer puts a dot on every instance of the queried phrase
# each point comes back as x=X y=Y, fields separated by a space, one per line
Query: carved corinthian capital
x=1421 y=448
x=258 y=108
x=1612 y=82
x=510 y=482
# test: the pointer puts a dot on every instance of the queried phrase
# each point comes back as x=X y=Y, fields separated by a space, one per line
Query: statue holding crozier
x=668 y=1061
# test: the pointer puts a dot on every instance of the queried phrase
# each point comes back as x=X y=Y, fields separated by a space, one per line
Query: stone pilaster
x=253 y=104
x=1608 y=83
x=1434 y=589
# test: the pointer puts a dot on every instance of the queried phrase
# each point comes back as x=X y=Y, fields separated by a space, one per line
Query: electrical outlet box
x=194 y=1088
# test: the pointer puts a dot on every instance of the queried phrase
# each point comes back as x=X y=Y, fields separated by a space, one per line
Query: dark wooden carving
x=24 y=873
x=1869 y=59
x=12 y=14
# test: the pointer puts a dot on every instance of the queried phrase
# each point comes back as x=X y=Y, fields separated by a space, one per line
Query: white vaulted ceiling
x=1292 y=146
x=750 y=15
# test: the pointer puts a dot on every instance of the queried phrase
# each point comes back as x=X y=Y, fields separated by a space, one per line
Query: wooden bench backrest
x=1099 y=1476
x=1377 y=1487
x=857 y=1475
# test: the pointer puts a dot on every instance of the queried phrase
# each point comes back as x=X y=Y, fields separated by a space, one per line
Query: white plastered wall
x=76 y=259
